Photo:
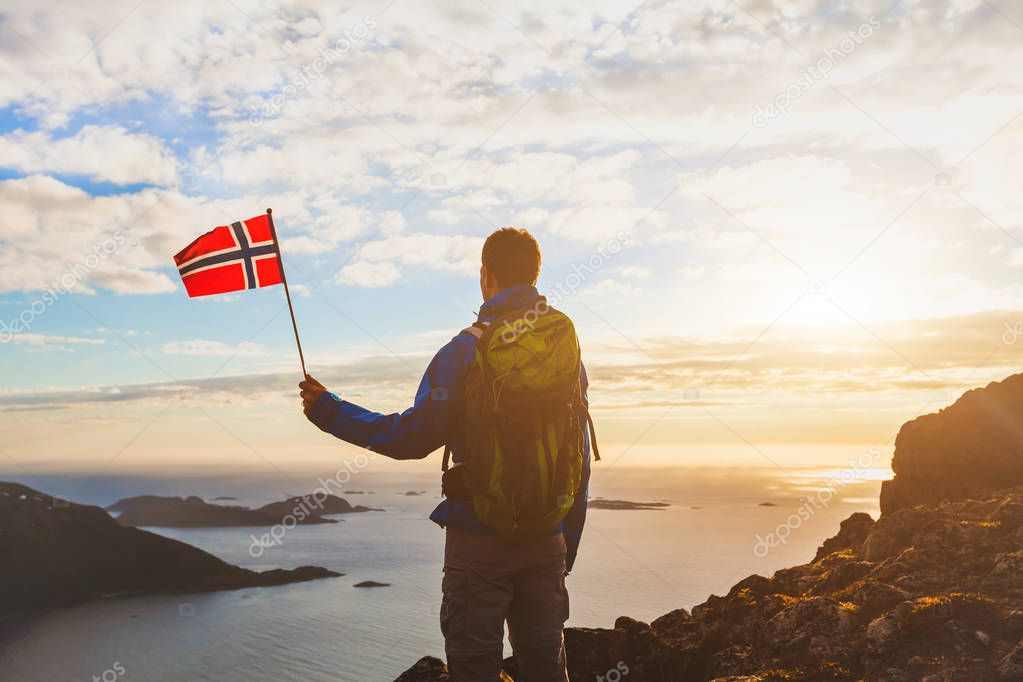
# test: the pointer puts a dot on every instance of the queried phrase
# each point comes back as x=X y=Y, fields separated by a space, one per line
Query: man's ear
x=488 y=283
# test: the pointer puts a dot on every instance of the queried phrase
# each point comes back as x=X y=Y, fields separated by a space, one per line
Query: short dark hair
x=512 y=256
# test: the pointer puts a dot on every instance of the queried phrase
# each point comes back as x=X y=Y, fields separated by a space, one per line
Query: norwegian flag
x=243 y=255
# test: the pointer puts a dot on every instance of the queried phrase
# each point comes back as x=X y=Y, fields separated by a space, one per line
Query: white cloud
x=611 y=287
x=205 y=347
x=452 y=91
x=108 y=153
x=455 y=253
x=366 y=274
x=34 y=339
x=124 y=242
x=592 y=224
x=635 y=272
x=131 y=281
x=59 y=234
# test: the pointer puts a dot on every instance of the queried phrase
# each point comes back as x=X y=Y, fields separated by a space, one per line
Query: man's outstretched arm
x=412 y=434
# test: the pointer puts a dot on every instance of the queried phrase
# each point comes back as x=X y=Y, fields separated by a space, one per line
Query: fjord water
x=636 y=563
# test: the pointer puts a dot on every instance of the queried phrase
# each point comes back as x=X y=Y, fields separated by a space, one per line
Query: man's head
x=511 y=256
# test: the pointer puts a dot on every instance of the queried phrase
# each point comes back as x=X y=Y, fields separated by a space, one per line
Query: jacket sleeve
x=414 y=433
x=576 y=518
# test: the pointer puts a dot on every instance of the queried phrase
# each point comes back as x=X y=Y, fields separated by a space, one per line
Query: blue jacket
x=424 y=427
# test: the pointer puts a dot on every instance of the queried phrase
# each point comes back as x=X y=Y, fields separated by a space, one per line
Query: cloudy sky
x=781 y=227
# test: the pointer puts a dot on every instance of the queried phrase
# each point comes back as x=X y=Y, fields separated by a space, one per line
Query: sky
x=783 y=228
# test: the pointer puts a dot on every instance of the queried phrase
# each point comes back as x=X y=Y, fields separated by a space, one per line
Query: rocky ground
x=929 y=592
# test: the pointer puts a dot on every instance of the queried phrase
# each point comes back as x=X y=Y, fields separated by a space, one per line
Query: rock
x=1009 y=564
x=963 y=451
x=903 y=610
x=851 y=534
x=874 y=597
x=57 y=561
x=630 y=624
x=982 y=637
x=1011 y=666
x=371 y=583
x=807 y=618
x=670 y=621
x=881 y=632
x=430 y=669
x=426 y=669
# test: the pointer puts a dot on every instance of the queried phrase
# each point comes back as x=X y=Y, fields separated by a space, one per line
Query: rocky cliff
x=931 y=591
x=56 y=553
x=972 y=446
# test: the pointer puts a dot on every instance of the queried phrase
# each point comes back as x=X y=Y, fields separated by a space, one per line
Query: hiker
x=506 y=398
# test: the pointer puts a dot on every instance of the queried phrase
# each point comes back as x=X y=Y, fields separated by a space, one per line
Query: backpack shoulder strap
x=474 y=330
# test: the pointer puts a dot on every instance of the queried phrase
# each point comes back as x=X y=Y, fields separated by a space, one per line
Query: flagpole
x=287 y=294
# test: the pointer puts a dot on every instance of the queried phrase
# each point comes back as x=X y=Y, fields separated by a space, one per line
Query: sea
x=722 y=524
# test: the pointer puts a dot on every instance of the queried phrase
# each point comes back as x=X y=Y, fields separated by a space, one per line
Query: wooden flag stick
x=287 y=294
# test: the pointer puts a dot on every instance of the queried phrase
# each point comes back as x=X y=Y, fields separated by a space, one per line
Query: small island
x=371 y=583
x=154 y=511
x=626 y=505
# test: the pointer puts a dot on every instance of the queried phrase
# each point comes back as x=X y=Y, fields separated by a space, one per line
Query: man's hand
x=311 y=390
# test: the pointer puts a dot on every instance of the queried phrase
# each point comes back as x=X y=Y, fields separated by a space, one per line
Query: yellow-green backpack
x=523 y=423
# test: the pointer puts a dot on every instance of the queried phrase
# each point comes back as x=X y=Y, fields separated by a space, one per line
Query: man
x=489 y=577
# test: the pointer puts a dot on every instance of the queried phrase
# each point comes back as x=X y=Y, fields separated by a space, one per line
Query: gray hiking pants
x=488 y=580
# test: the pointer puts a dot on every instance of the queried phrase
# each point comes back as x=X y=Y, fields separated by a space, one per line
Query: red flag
x=243 y=255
